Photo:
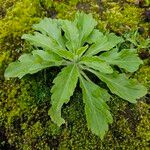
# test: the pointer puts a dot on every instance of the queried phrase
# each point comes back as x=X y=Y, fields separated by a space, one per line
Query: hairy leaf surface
x=97 y=111
x=64 y=86
x=47 y=56
x=41 y=40
x=81 y=50
x=127 y=59
x=46 y=43
x=85 y=24
x=120 y=85
x=71 y=34
x=104 y=43
x=51 y=28
x=29 y=64
x=97 y=64
x=95 y=36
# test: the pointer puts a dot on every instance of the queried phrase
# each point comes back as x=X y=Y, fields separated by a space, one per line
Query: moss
x=2 y=59
x=143 y=75
x=4 y=56
x=19 y=18
x=24 y=104
x=122 y=18
x=143 y=129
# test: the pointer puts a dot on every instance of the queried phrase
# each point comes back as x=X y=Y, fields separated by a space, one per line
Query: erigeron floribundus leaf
x=46 y=56
x=32 y=63
x=81 y=50
x=125 y=88
x=119 y=84
x=95 y=36
x=104 y=43
x=43 y=41
x=97 y=111
x=78 y=46
x=64 y=86
x=96 y=63
x=85 y=25
x=71 y=34
x=127 y=59
x=40 y=40
x=51 y=28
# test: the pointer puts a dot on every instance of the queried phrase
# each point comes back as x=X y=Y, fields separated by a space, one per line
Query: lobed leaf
x=77 y=44
x=40 y=40
x=97 y=111
x=47 y=56
x=64 y=86
x=43 y=41
x=119 y=84
x=51 y=27
x=127 y=59
x=31 y=63
x=71 y=34
x=85 y=24
x=104 y=43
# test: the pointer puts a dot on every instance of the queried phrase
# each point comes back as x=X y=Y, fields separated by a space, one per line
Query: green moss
x=143 y=129
x=143 y=75
x=24 y=103
x=19 y=18
x=52 y=129
x=2 y=59
x=4 y=56
x=122 y=18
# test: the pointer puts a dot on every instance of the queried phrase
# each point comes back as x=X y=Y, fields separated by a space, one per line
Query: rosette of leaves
x=80 y=48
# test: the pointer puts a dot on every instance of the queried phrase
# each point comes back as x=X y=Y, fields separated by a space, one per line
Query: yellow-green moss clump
x=24 y=104
x=121 y=18
x=143 y=75
x=18 y=18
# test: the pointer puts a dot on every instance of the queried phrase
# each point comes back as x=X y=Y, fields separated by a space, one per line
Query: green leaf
x=104 y=43
x=64 y=86
x=29 y=64
x=97 y=111
x=46 y=43
x=71 y=34
x=41 y=40
x=127 y=59
x=125 y=88
x=96 y=63
x=47 y=56
x=66 y=54
x=85 y=24
x=51 y=28
x=95 y=36
x=81 y=50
